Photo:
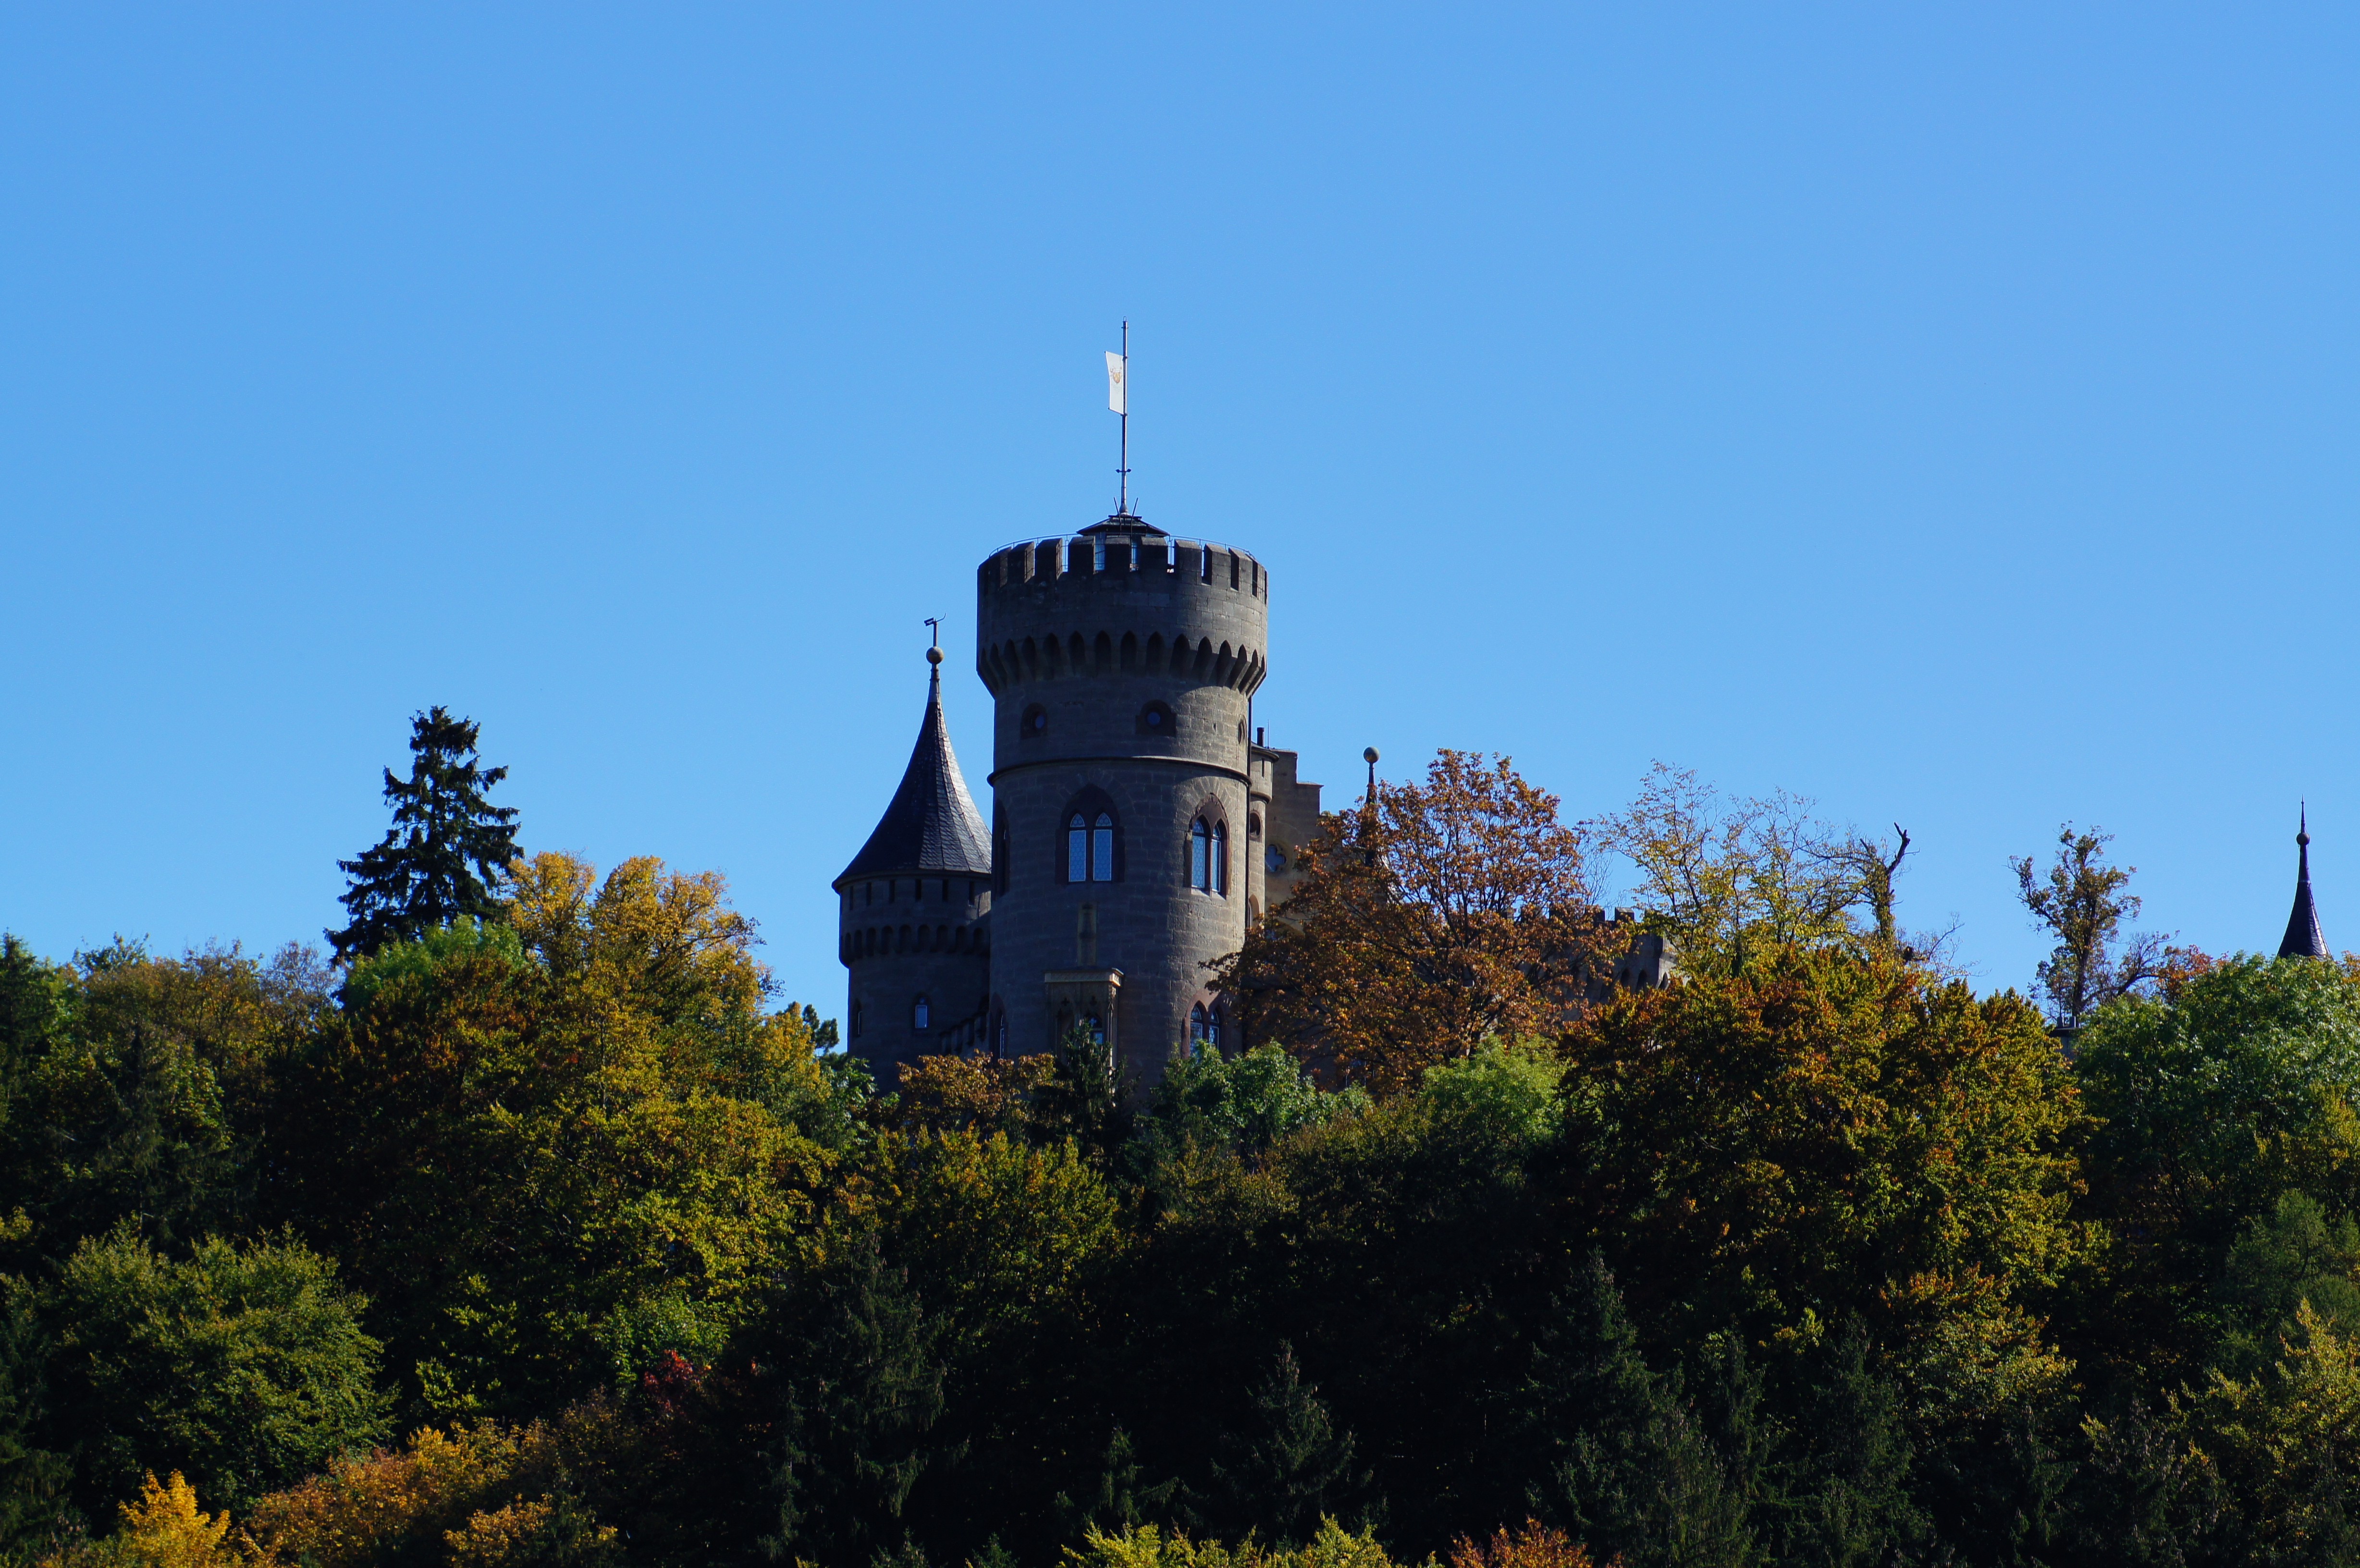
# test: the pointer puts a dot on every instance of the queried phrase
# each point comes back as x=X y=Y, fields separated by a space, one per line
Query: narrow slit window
x=1102 y=850
x=1077 y=850
x=1222 y=859
x=920 y=1013
x=1200 y=853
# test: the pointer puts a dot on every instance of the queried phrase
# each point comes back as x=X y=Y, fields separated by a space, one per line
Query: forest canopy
x=539 y=1229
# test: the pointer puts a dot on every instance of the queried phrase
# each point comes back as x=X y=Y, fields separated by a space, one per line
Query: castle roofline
x=932 y=825
x=1126 y=523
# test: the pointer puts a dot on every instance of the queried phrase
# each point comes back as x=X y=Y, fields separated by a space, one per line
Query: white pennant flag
x=1117 y=395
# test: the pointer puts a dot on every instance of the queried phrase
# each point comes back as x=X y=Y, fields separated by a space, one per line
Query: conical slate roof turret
x=932 y=824
x=2302 y=938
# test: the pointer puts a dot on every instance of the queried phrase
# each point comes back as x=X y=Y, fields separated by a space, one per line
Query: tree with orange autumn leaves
x=1433 y=918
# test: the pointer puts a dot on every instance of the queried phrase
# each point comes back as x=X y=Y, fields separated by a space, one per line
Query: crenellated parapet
x=1117 y=559
x=1051 y=657
x=1122 y=605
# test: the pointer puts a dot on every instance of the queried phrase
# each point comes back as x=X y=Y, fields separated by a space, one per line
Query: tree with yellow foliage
x=164 y=1528
x=553 y=1148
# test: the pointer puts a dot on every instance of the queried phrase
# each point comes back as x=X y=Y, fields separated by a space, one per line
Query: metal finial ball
x=2302 y=840
x=933 y=655
x=1369 y=755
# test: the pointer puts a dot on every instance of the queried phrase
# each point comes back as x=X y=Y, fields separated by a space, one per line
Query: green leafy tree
x=2209 y=1105
x=244 y=1366
x=34 y=1007
x=446 y=854
x=1729 y=880
x=1243 y=1103
x=2293 y=1254
x=144 y=1090
x=1829 y=1132
x=2286 y=1441
x=1407 y=1241
x=2081 y=901
x=549 y=1145
x=1825 y=1132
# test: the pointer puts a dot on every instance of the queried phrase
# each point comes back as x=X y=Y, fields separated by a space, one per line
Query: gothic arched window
x=1222 y=859
x=1198 y=1026
x=1092 y=851
x=1200 y=856
x=920 y=1013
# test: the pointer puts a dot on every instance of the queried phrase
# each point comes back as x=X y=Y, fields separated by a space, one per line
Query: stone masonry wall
x=1121 y=672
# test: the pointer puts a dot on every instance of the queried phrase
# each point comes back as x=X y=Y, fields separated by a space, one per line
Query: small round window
x=1034 y=724
x=1274 y=858
x=1156 y=719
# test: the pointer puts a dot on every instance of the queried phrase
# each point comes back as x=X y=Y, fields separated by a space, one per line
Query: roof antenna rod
x=1119 y=399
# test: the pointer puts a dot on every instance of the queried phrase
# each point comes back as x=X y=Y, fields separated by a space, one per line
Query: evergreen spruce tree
x=1289 y=1466
x=1088 y=1096
x=1122 y=1498
x=447 y=852
x=1849 y=1503
x=36 y=1514
x=1631 y=1470
x=860 y=1376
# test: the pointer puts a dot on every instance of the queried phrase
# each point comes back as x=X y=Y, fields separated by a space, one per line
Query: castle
x=1139 y=824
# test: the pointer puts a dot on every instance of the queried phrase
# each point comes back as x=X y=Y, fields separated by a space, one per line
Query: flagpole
x=1122 y=491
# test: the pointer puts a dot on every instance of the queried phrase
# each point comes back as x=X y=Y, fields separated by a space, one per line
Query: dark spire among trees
x=2302 y=938
x=447 y=852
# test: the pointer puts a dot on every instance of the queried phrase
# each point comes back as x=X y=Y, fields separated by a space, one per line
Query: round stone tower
x=1127 y=850
x=913 y=912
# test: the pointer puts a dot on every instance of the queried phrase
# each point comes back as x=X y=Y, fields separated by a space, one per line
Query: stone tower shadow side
x=1121 y=665
x=914 y=912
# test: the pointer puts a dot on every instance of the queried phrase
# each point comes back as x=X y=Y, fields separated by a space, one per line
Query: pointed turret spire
x=2302 y=938
x=932 y=824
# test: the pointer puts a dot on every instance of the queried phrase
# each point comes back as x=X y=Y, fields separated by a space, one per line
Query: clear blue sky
x=1946 y=412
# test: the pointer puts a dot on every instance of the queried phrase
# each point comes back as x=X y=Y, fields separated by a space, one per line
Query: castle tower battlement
x=1123 y=602
x=1128 y=822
